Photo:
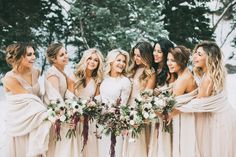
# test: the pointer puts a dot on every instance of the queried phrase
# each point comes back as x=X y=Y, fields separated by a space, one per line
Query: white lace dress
x=111 y=89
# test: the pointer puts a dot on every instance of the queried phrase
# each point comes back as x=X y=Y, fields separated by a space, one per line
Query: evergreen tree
x=110 y=24
x=186 y=21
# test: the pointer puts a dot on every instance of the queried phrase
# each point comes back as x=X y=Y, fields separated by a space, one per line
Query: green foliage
x=110 y=24
x=186 y=22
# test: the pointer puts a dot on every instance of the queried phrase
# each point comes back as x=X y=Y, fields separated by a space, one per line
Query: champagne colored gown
x=70 y=147
x=139 y=146
x=19 y=144
x=91 y=148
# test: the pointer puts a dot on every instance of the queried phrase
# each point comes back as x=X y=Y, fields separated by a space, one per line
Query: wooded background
x=108 y=24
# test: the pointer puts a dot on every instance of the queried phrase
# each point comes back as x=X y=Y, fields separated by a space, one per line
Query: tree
x=110 y=24
x=186 y=21
x=37 y=21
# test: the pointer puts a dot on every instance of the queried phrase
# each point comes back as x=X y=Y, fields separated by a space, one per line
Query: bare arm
x=11 y=84
x=151 y=83
x=205 y=88
x=180 y=87
x=54 y=81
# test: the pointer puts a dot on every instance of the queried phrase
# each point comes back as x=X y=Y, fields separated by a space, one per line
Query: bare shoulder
x=205 y=88
x=13 y=85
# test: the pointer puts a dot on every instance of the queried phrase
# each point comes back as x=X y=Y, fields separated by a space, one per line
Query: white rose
x=62 y=118
x=53 y=102
x=84 y=102
x=132 y=122
x=145 y=115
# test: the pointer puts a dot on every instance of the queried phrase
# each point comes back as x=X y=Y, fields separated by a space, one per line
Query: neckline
x=26 y=82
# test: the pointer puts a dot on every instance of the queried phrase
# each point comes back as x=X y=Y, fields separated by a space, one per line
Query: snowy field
x=231 y=89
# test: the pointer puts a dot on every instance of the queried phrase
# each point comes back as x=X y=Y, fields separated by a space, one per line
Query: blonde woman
x=58 y=88
x=215 y=117
x=26 y=112
x=87 y=77
x=115 y=86
x=143 y=77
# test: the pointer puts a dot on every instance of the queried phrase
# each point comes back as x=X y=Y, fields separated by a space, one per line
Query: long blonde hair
x=80 y=73
x=214 y=65
x=111 y=56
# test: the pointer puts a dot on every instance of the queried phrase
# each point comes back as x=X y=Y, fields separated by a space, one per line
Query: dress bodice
x=33 y=89
x=137 y=87
x=53 y=71
x=88 y=91
x=113 y=88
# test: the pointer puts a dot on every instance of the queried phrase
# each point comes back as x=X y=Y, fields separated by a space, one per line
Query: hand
x=156 y=92
x=159 y=114
x=125 y=132
x=173 y=113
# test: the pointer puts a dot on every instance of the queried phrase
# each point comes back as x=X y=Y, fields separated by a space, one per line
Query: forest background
x=108 y=24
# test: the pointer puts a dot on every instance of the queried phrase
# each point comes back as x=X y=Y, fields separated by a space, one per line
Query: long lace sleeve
x=126 y=90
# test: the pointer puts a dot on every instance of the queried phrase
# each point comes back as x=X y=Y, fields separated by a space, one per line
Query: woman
x=160 y=141
x=57 y=83
x=215 y=117
x=115 y=77
x=87 y=78
x=183 y=88
x=26 y=112
x=143 y=75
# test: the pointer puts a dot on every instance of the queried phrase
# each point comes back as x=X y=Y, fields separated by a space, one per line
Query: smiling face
x=61 y=59
x=199 y=58
x=92 y=62
x=158 y=54
x=29 y=58
x=137 y=57
x=118 y=65
x=172 y=64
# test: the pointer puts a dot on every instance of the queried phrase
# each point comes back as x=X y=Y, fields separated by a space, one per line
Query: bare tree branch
x=82 y=33
x=233 y=28
x=231 y=4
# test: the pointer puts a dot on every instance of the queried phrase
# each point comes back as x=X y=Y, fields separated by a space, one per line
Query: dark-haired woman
x=184 y=89
x=159 y=139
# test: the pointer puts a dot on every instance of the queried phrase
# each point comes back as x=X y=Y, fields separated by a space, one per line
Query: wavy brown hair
x=146 y=51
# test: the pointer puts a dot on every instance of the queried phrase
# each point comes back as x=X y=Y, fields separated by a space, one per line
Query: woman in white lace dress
x=87 y=78
x=115 y=86
x=143 y=77
x=58 y=81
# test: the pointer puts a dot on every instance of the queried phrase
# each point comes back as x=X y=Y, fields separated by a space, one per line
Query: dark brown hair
x=181 y=55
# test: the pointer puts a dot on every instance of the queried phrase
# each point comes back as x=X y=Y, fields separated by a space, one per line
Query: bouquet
x=146 y=106
x=113 y=122
x=165 y=103
x=75 y=111
x=92 y=109
x=133 y=118
x=57 y=114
